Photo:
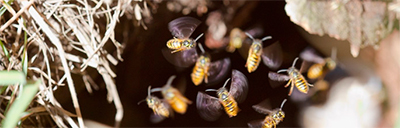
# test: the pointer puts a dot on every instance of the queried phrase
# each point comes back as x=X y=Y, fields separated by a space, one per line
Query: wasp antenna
x=251 y=37
x=141 y=101
x=209 y=90
x=201 y=48
x=170 y=79
x=226 y=82
x=334 y=53
x=148 y=90
x=266 y=38
x=198 y=37
x=283 y=103
x=156 y=90
x=282 y=70
x=294 y=62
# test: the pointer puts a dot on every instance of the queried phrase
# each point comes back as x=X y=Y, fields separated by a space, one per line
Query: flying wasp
x=160 y=107
x=271 y=120
x=176 y=100
x=270 y=55
x=181 y=28
x=210 y=108
x=321 y=66
x=236 y=37
x=204 y=68
x=294 y=76
x=200 y=69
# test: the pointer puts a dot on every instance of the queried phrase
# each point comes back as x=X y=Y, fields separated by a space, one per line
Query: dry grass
x=55 y=39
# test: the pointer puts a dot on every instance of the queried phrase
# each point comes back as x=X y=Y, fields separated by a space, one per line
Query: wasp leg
x=177 y=50
x=291 y=89
x=288 y=83
x=206 y=77
x=310 y=85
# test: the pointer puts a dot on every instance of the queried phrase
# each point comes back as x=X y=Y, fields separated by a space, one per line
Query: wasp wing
x=180 y=84
x=277 y=79
x=218 y=70
x=255 y=123
x=310 y=54
x=263 y=107
x=208 y=107
x=239 y=86
x=272 y=55
x=154 y=118
x=184 y=58
x=305 y=65
x=183 y=27
x=244 y=50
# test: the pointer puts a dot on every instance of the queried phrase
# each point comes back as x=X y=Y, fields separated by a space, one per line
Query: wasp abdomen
x=197 y=74
x=174 y=44
x=252 y=62
x=301 y=85
x=315 y=71
x=229 y=103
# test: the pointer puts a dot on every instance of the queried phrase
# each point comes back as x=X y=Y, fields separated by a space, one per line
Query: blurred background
x=362 y=91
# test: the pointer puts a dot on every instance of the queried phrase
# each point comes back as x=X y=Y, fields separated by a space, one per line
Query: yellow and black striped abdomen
x=229 y=103
x=198 y=74
x=301 y=84
x=253 y=60
x=174 y=43
x=162 y=110
x=315 y=71
x=268 y=122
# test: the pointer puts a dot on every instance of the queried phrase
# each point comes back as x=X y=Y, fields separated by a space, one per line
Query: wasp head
x=204 y=59
x=188 y=43
x=330 y=63
x=222 y=93
x=278 y=116
x=152 y=101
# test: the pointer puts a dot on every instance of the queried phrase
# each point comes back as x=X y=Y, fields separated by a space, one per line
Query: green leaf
x=12 y=77
x=20 y=104
x=5 y=50
x=25 y=55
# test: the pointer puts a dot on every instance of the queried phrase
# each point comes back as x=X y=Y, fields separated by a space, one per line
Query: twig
x=108 y=33
x=16 y=16
x=113 y=91
x=53 y=38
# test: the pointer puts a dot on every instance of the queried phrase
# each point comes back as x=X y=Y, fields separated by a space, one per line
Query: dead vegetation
x=55 y=40
x=62 y=39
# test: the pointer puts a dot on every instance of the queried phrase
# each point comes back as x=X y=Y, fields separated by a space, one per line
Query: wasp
x=236 y=37
x=176 y=100
x=321 y=66
x=160 y=108
x=270 y=55
x=294 y=76
x=271 y=120
x=210 y=108
x=200 y=69
x=204 y=69
x=181 y=29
